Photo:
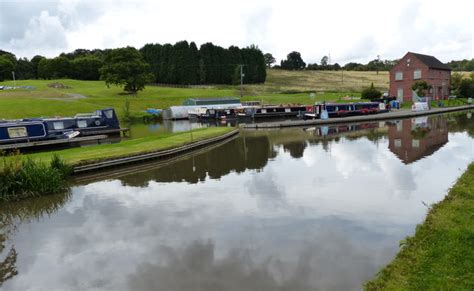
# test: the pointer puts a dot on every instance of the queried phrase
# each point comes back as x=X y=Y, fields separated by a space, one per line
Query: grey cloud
x=42 y=27
x=16 y=15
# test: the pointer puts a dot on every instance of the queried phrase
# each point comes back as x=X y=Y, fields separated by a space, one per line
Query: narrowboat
x=346 y=109
x=219 y=114
x=272 y=111
x=34 y=129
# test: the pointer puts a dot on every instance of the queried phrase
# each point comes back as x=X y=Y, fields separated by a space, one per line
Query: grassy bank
x=440 y=256
x=22 y=178
x=83 y=155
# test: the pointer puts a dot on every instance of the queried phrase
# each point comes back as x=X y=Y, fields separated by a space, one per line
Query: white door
x=400 y=94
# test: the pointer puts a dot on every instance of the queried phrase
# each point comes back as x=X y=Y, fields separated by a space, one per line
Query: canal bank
x=400 y=114
x=225 y=133
x=441 y=253
x=43 y=173
x=102 y=156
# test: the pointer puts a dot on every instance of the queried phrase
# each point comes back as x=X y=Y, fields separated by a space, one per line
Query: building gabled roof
x=431 y=62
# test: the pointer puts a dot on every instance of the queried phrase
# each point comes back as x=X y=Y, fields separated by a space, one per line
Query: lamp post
x=14 y=81
x=241 y=80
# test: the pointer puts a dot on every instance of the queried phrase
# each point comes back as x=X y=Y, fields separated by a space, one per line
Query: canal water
x=291 y=209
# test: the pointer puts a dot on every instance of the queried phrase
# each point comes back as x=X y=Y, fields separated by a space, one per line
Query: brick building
x=416 y=67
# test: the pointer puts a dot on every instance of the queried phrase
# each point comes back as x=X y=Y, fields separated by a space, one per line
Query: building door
x=400 y=94
x=414 y=96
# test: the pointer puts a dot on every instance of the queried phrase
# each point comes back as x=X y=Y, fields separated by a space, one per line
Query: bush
x=23 y=178
x=371 y=93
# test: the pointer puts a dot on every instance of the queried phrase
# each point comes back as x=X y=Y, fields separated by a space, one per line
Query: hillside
x=320 y=81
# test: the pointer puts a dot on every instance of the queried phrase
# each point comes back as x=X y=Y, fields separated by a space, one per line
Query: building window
x=399 y=126
x=398 y=76
x=417 y=74
x=415 y=143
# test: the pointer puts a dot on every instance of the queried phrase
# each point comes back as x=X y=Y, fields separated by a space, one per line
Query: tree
x=456 y=79
x=24 y=69
x=87 y=68
x=371 y=93
x=61 y=67
x=6 y=68
x=152 y=55
x=420 y=87
x=45 y=69
x=269 y=60
x=466 y=88
x=35 y=62
x=293 y=62
x=324 y=61
x=126 y=67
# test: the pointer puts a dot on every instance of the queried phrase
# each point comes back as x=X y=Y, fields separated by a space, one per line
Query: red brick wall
x=438 y=79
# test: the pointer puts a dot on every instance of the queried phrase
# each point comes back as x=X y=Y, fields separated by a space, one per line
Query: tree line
x=294 y=61
x=181 y=63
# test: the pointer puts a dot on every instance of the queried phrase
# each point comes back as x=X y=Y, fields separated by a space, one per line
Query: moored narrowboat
x=346 y=109
x=33 y=129
x=268 y=111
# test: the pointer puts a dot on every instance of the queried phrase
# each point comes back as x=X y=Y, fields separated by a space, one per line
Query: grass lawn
x=82 y=155
x=440 y=256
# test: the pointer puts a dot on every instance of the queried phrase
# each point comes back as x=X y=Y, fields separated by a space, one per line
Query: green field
x=440 y=256
x=136 y=146
x=85 y=96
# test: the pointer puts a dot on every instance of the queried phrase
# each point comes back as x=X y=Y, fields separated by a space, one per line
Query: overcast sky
x=346 y=30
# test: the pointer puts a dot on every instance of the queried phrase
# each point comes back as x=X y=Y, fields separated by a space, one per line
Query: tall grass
x=22 y=178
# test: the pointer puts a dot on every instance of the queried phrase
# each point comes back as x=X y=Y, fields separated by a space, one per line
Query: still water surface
x=293 y=209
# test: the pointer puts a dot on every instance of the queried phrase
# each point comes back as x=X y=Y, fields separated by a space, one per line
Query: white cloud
x=44 y=34
x=348 y=30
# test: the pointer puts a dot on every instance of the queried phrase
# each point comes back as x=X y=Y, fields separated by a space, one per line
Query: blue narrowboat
x=33 y=129
x=346 y=109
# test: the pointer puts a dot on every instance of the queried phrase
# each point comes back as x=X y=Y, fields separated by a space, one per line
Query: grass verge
x=440 y=256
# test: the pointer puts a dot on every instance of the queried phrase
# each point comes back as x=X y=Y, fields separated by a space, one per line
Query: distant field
x=321 y=81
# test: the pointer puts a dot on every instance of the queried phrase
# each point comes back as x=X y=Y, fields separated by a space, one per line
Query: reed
x=22 y=177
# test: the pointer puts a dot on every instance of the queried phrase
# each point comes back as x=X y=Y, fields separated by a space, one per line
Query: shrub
x=371 y=93
x=22 y=178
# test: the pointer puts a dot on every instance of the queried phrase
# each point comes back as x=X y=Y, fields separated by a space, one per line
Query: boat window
x=58 y=125
x=16 y=132
x=109 y=113
x=82 y=123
